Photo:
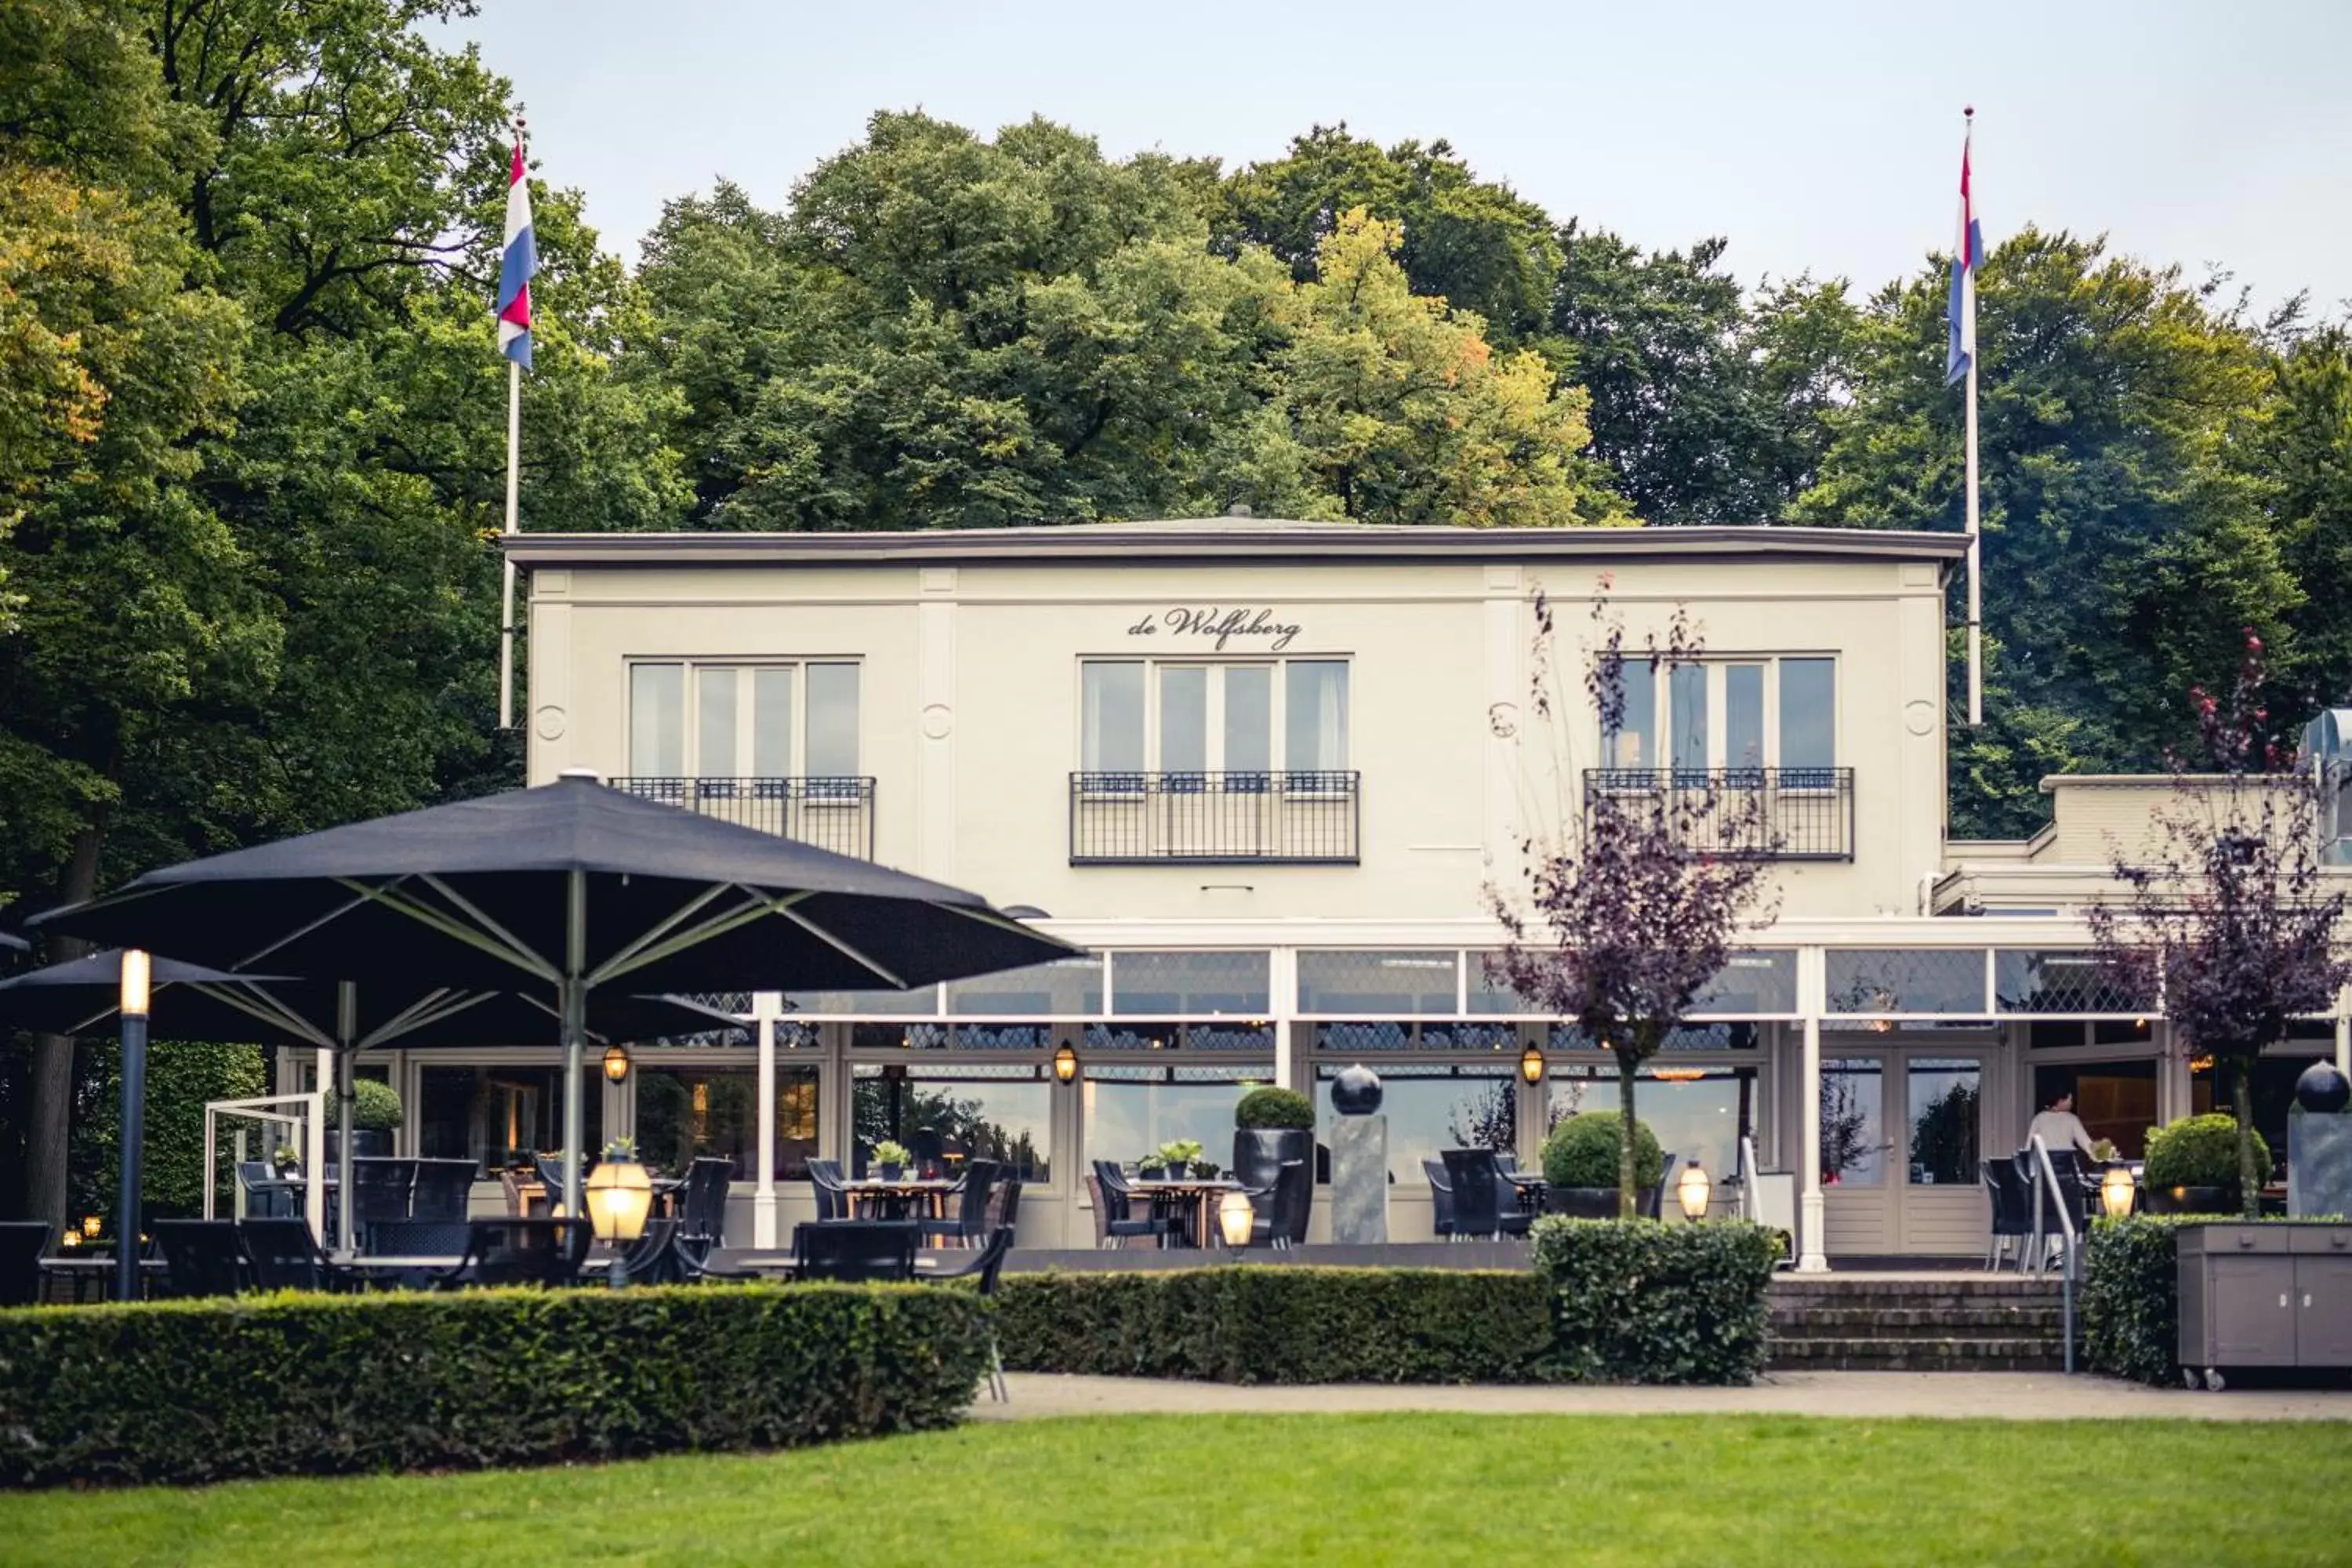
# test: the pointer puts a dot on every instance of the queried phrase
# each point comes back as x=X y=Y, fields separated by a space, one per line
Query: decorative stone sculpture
x=2321 y=1090
x=1356 y=1091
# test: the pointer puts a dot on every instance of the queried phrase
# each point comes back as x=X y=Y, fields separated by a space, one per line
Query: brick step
x=1914 y=1300
x=1885 y=1322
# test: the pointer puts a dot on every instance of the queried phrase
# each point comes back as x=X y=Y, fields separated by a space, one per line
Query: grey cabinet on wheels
x=2264 y=1296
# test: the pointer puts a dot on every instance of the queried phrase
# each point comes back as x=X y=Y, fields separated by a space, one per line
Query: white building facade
x=1266 y=773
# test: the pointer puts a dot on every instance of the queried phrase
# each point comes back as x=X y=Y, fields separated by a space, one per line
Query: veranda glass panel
x=499 y=1117
x=1378 y=982
x=1066 y=987
x=1943 y=1117
x=1202 y=983
x=1128 y=1110
x=923 y=1001
x=947 y=1115
x=1695 y=1114
x=1853 y=1134
x=1758 y=985
x=2031 y=981
x=1486 y=994
x=2117 y=1100
x=1431 y=1108
x=1886 y=980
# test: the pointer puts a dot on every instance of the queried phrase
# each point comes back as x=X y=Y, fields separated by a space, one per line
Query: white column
x=1812 y=1216
x=2344 y=1032
x=1282 y=983
x=766 y=1007
x=314 y=1152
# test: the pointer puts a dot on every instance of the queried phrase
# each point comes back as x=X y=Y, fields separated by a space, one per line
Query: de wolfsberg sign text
x=1220 y=625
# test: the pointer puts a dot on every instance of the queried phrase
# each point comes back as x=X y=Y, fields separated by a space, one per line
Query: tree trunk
x=50 y=1113
x=2241 y=1100
x=1628 y=1152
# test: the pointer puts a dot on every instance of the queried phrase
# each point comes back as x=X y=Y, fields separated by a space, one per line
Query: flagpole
x=1976 y=608
x=514 y=460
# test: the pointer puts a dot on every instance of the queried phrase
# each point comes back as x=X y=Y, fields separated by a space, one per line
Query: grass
x=1210 y=1490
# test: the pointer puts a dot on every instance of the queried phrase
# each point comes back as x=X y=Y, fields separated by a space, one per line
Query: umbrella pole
x=347 y=1029
x=130 y=1140
x=575 y=1010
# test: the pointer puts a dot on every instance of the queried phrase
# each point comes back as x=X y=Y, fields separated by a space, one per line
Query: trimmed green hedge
x=2131 y=1295
x=286 y=1384
x=1644 y=1302
x=2199 y=1152
x=1280 y=1108
x=1279 y=1324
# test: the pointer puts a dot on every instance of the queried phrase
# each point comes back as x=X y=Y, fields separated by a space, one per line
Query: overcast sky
x=1818 y=137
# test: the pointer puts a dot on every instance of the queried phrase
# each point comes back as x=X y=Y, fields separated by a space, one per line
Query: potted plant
x=1178 y=1154
x=1153 y=1165
x=2192 y=1165
x=891 y=1159
x=1580 y=1164
x=375 y=1117
x=1274 y=1128
x=288 y=1160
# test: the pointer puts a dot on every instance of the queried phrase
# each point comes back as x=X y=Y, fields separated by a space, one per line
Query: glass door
x=1901 y=1133
x=1943 y=1205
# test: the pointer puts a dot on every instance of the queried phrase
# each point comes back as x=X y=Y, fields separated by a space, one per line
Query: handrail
x=1751 y=1208
x=2045 y=1171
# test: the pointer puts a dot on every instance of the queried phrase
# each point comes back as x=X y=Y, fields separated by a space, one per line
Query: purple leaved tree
x=1630 y=906
x=2226 y=917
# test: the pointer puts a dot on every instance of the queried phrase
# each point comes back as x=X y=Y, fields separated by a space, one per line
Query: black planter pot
x=366 y=1144
x=1259 y=1154
x=1594 y=1203
x=2193 y=1200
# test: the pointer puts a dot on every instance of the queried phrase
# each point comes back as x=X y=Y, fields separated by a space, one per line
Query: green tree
x=2112 y=401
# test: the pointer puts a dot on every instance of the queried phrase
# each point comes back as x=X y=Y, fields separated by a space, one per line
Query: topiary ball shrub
x=2199 y=1152
x=1274 y=1109
x=375 y=1106
x=1582 y=1151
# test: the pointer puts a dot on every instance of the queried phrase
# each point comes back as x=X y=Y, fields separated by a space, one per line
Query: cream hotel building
x=1263 y=773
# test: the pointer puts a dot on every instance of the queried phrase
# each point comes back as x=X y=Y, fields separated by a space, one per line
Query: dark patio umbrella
x=14 y=944
x=572 y=886
x=190 y=1002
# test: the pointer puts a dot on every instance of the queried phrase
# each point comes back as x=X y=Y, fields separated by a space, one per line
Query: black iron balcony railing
x=1224 y=818
x=836 y=813
x=1778 y=813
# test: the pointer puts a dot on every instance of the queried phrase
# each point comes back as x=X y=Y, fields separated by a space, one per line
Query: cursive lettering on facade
x=1222 y=626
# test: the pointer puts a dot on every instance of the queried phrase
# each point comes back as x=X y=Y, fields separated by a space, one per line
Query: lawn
x=1206 y=1491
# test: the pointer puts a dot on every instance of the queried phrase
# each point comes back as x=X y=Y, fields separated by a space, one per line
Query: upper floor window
x=1141 y=716
x=1727 y=713
x=689 y=719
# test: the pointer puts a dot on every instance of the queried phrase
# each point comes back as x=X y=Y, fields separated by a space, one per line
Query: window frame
x=746 y=706
x=1214 y=716
x=1715 y=697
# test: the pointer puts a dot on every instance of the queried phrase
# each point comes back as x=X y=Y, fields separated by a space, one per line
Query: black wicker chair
x=825 y=1183
x=856 y=1251
x=983 y=1269
x=22 y=1242
x=201 y=1256
x=2013 y=1212
x=282 y=1255
x=1441 y=1198
x=520 y=1252
x=442 y=1190
x=969 y=1224
x=702 y=1203
x=1485 y=1203
x=1120 y=1222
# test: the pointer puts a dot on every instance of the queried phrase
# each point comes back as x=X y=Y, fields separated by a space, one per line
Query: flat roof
x=1231 y=538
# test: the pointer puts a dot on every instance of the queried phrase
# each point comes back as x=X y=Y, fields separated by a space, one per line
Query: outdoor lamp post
x=1236 y=1218
x=1532 y=1063
x=132 y=1134
x=1065 y=1063
x=2118 y=1191
x=618 y=1194
x=1692 y=1190
x=616 y=1063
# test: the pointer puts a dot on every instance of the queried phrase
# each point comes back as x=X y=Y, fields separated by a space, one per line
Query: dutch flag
x=515 y=268
x=1968 y=260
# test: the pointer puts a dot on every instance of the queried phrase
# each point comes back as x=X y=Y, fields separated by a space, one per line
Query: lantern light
x=1065 y=1063
x=1236 y=1218
x=2117 y=1192
x=1694 y=1191
x=616 y=1063
x=91 y=1225
x=137 y=970
x=618 y=1195
x=1532 y=1063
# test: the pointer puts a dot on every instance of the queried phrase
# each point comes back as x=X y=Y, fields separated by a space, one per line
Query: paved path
x=2021 y=1397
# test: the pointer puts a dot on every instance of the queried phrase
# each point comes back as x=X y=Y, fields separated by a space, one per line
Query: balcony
x=1773 y=814
x=836 y=813
x=1215 y=819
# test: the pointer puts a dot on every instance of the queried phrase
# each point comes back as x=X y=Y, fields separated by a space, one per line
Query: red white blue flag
x=1967 y=260
x=515 y=268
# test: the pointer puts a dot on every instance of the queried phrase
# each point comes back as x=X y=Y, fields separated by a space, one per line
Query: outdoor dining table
x=902 y=1197
x=1197 y=1194
x=96 y=1269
